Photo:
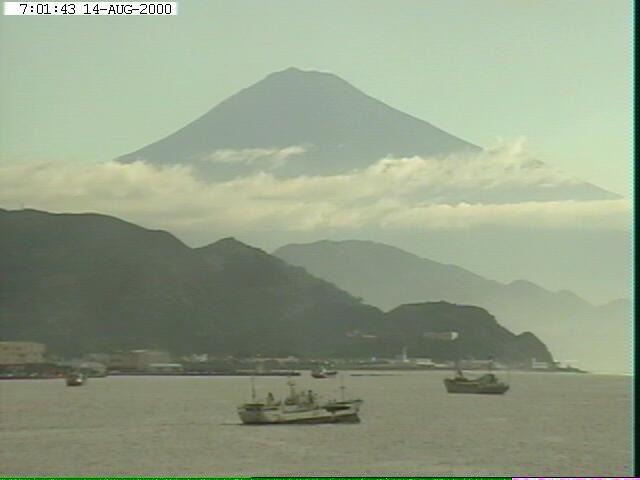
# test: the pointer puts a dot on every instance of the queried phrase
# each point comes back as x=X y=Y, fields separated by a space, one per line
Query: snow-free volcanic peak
x=316 y=122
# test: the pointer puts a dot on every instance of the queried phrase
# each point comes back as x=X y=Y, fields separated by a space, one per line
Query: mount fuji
x=306 y=123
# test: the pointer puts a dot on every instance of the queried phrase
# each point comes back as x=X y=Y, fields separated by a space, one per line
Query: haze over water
x=546 y=425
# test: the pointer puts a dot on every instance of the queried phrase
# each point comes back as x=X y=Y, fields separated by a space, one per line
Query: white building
x=138 y=359
x=535 y=365
x=444 y=336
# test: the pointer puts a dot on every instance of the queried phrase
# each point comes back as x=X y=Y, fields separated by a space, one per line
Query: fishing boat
x=484 y=384
x=298 y=408
x=320 y=372
x=76 y=379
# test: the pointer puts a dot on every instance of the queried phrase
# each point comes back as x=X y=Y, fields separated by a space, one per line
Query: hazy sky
x=556 y=72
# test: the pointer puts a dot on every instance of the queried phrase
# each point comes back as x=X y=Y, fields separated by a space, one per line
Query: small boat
x=321 y=372
x=298 y=408
x=484 y=384
x=76 y=379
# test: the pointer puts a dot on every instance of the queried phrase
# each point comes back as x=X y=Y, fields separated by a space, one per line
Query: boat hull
x=324 y=374
x=256 y=415
x=342 y=418
x=75 y=383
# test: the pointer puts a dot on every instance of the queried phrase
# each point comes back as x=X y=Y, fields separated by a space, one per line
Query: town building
x=137 y=360
x=536 y=365
x=444 y=336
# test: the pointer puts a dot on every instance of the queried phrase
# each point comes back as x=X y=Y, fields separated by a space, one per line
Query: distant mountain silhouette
x=385 y=276
x=295 y=123
x=85 y=282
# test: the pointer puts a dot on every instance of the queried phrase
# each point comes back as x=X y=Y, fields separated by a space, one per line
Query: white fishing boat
x=299 y=408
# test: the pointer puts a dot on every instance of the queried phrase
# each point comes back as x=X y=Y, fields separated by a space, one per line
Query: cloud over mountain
x=402 y=193
x=267 y=158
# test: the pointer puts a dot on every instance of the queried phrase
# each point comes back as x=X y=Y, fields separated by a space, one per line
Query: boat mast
x=292 y=389
x=342 y=386
x=253 y=389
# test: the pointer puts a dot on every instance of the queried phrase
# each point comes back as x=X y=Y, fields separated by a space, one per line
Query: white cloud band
x=392 y=193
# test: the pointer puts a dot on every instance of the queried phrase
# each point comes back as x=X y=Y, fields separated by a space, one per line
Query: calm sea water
x=546 y=425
